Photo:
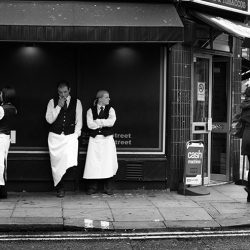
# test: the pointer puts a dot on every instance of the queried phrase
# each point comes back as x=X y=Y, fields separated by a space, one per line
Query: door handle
x=209 y=124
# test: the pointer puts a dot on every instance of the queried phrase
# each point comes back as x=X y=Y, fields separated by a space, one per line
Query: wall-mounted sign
x=201 y=91
x=240 y=6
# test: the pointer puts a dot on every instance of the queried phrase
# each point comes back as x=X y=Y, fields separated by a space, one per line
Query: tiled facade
x=179 y=93
x=236 y=100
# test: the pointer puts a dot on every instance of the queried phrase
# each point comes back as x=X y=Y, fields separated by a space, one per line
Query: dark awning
x=89 y=22
x=237 y=29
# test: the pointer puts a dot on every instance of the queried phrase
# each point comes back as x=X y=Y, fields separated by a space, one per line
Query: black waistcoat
x=7 y=123
x=66 y=119
x=104 y=130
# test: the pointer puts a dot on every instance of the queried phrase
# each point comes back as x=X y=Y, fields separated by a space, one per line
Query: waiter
x=7 y=115
x=101 y=161
x=64 y=114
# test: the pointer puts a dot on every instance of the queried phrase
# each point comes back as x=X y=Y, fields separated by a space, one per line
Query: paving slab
x=184 y=213
x=130 y=203
x=136 y=214
x=231 y=207
x=84 y=204
x=89 y=213
x=43 y=203
x=6 y=213
x=233 y=220
x=37 y=212
x=7 y=205
x=174 y=203
x=210 y=209
x=192 y=224
x=215 y=195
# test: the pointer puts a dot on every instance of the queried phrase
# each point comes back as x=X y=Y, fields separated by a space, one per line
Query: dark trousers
x=61 y=186
x=3 y=189
x=3 y=192
x=107 y=184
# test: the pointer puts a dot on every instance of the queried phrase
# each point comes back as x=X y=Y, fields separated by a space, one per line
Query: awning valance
x=237 y=29
x=89 y=21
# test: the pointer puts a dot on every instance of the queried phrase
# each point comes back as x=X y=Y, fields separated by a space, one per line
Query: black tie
x=65 y=105
x=101 y=113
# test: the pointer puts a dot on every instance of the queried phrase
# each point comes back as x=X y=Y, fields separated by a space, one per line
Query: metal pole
x=202 y=168
x=243 y=170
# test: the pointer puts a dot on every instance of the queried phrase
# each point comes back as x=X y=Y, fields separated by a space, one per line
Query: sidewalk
x=226 y=206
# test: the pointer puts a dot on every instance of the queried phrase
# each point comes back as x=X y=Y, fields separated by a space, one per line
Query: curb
x=87 y=225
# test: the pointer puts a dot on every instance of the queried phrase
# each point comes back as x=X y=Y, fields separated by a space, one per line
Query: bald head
x=102 y=97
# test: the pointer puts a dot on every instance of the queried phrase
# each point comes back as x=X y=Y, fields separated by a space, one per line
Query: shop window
x=132 y=75
x=208 y=38
x=202 y=37
x=246 y=53
x=222 y=42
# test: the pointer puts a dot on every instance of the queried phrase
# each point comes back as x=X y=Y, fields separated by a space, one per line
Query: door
x=220 y=129
x=210 y=114
x=202 y=122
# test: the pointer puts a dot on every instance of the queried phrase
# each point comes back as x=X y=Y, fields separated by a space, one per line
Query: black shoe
x=4 y=196
x=108 y=192
x=3 y=192
x=60 y=193
x=90 y=191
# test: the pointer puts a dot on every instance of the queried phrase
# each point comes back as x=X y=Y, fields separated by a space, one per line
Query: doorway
x=210 y=116
x=220 y=114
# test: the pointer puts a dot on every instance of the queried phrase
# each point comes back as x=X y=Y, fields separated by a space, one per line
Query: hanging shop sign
x=240 y=6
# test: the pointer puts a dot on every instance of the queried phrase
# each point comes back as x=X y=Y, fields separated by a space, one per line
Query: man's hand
x=61 y=102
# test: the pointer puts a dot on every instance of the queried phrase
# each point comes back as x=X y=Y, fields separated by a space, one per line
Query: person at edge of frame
x=245 y=147
x=101 y=161
x=64 y=114
x=7 y=116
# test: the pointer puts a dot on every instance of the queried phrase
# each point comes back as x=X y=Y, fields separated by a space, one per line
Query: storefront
x=206 y=92
x=121 y=47
x=173 y=74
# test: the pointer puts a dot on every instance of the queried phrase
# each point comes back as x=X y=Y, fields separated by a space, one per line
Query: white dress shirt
x=99 y=123
x=1 y=112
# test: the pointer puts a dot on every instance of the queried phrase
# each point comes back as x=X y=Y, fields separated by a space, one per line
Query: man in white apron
x=64 y=114
x=7 y=113
x=101 y=160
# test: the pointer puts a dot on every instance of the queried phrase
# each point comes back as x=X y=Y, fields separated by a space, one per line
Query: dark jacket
x=245 y=115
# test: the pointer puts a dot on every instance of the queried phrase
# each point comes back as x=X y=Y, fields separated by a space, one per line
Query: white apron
x=63 y=151
x=101 y=161
x=4 y=148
